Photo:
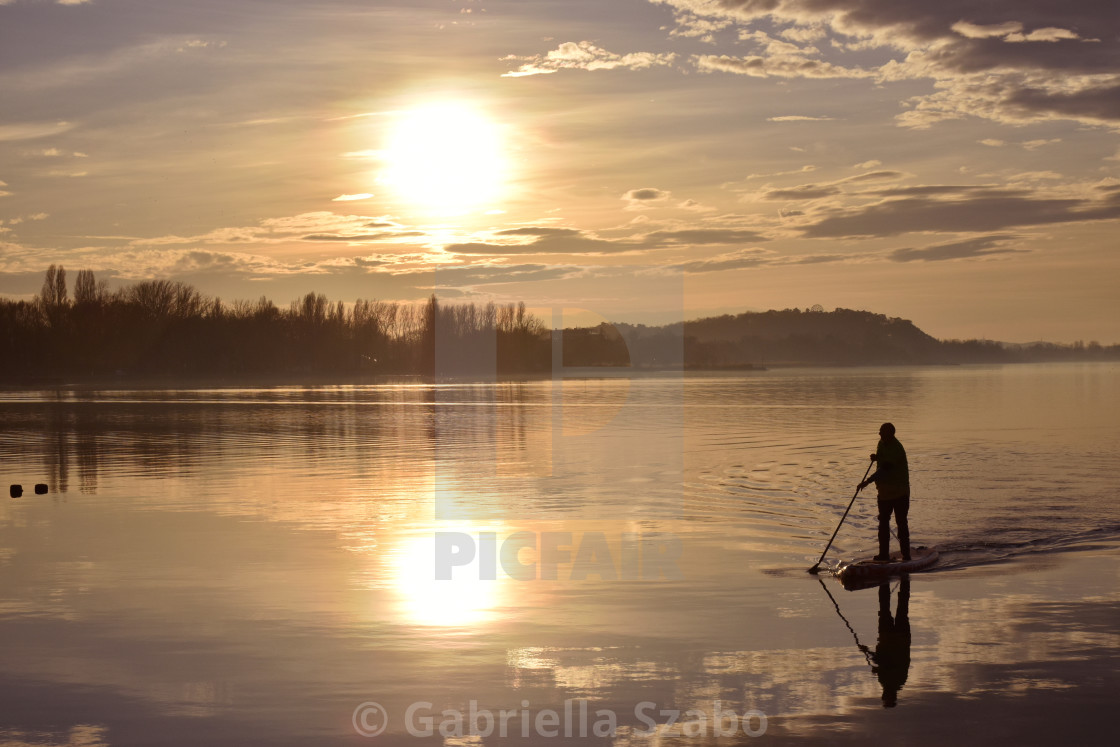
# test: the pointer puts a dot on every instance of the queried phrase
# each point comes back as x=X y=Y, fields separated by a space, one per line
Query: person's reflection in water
x=890 y=660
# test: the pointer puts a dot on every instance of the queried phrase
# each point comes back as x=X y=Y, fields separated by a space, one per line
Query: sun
x=444 y=158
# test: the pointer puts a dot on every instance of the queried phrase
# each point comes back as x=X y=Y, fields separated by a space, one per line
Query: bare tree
x=87 y=290
x=54 y=294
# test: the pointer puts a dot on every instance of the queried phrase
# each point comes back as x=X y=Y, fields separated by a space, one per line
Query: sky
x=952 y=163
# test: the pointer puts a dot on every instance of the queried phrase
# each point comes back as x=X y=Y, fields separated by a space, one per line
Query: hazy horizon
x=643 y=160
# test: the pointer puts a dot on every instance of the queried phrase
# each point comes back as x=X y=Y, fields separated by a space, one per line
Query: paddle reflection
x=890 y=661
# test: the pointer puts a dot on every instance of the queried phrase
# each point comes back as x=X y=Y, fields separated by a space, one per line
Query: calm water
x=249 y=566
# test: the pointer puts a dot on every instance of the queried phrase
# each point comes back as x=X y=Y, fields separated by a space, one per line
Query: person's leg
x=885 y=509
x=901 y=509
x=886 y=622
x=902 y=616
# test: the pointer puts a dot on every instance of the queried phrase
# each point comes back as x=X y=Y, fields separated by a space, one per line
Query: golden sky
x=954 y=163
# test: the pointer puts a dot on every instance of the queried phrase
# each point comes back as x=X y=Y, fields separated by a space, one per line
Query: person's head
x=886 y=430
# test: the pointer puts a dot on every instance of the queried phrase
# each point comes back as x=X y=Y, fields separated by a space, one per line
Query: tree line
x=169 y=328
x=165 y=328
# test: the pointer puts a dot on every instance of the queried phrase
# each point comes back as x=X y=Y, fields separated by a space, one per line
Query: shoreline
x=582 y=372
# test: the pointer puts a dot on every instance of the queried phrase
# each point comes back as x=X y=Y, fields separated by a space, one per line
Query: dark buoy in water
x=15 y=491
x=41 y=488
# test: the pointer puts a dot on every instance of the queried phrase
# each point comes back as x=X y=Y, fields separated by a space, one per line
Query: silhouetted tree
x=168 y=328
x=53 y=294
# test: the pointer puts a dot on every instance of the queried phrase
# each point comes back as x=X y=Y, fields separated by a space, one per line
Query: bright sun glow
x=466 y=600
x=445 y=158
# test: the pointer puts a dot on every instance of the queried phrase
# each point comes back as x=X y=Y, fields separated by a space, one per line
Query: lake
x=616 y=559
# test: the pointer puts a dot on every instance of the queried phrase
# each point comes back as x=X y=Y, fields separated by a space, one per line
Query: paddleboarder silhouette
x=890 y=661
x=892 y=481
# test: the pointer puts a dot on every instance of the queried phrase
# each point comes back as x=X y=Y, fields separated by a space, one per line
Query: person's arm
x=884 y=468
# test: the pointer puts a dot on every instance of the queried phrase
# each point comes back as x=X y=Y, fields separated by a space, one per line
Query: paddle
x=846 y=510
x=863 y=649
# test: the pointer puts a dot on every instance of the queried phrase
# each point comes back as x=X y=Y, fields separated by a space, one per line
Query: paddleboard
x=868 y=568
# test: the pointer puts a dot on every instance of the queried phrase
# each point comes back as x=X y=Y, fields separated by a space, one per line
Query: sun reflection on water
x=467 y=599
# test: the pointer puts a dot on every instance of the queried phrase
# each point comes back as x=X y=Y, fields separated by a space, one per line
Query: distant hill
x=792 y=336
x=843 y=337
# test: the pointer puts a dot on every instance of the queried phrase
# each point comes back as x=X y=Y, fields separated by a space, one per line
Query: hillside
x=843 y=337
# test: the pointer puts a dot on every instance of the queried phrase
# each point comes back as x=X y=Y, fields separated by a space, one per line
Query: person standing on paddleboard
x=892 y=480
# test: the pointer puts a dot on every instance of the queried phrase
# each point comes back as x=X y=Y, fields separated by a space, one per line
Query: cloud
x=639 y=199
x=190 y=44
x=756 y=257
x=1090 y=103
x=645 y=194
x=690 y=26
x=362 y=237
x=787 y=66
x=199 y=260
x=585 y=55
x=827 y=189
x=798 y=118
x=369 y=154
x=553 y=240
x=776 y=58
x=538 y=231
x=802 y=192
x=696 y=236
x=873 y=176
x=32 y=130
x=316 y=226
x=402 y=277
x=1011 y=61
x=803 y=170
x=981 y=246
x=76 y=71
x=929 y=189
x=574 y=242
x=1049 y=34
x=693 y=205
x=804 y=34
x=744 y=258
x=352 y=198
x=976 y=31
x=973 y=210
x=467 y=276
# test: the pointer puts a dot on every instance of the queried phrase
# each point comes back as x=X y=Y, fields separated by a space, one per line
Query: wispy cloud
x=585 y=55
x=826 y=189
x=738 y=260
x=981 y=246
x=316 y=227
x=32 y=130
x=803 y=170
x=788 y=66
x=544 y=240
x=798 y=118
x=960 y=210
